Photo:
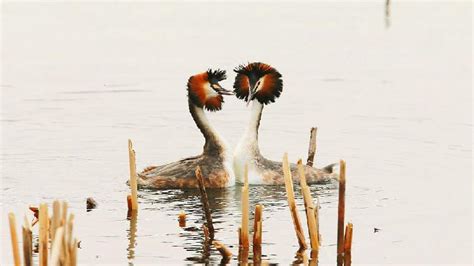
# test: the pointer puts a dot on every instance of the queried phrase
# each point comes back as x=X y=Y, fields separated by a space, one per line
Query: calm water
x=394 y=101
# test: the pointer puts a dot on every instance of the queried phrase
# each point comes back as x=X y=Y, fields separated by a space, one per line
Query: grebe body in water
x=204 y=92
x=260 y=84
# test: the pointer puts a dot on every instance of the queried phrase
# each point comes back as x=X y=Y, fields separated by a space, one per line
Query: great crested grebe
x=260 y=84
x=204 y=92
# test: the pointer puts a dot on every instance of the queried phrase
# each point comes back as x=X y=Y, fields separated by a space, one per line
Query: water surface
x=392 y=99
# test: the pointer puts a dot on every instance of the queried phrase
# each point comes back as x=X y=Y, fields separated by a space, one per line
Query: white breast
x=244 y=155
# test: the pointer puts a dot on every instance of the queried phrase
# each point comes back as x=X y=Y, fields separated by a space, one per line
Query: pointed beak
x=251 y=96
x=221 y=90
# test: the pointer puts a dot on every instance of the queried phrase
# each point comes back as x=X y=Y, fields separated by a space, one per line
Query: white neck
x=248 y=143
x=214 y=143
x=247 y=149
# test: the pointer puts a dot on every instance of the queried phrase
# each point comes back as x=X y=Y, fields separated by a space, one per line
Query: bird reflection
x=189 y=201
x=225 y=205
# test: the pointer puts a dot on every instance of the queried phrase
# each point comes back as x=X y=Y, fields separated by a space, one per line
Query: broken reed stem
x=63 y=249
x=257 y=226
x=73 y=253
x=43 y=234
x=312 y=147
x=341 y=212
x=133 y=176
x=245 y=211
x=129 y=202
x=69 y=255
x=182 y=219
x=243 y=256
x=66 y=235
x=56 y=246
x=27 y=243
x=316 y=215
x=55 y=219
x=14 y=239
x=205 y=203
x=257 y=234
x=291 y=202
x=70 y=227
x=239 y=232
x=348 y=245
x=310 y=209
x=223 y=249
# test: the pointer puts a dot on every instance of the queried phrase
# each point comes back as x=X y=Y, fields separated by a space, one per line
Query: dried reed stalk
x=69 y=229
x=312 y=147
x=348 y=245
x=310 y=209
x=205 y=202
x=43 y=234
x=257 y=226
x=291 y=203
x=73 y=253
x=27 y=243
x=56 y=247
x=245 y=211
x=257 y=234
x=55 y=219
x=341 y=212
x=239 y=232
x=182 y=219
x=243 y=256
x=14 y=239
x=129 y=202
x=64 y=255
x=133 y=177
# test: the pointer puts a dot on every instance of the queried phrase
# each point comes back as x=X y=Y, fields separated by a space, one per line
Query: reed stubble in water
x=14 y=239
x=182 y=219
x=43 y=234
x=245 y=211
x=310 y=209
x=341 y=213
x=133 y=178
x=63 y=249
x=257 y=234
x=205 y=202
x=27 y=243
x=348 y=245
x=312 y=146
x=291 y=203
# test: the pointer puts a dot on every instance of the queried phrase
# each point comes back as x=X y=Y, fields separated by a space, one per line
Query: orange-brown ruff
x=261 y=84
x=204 y=91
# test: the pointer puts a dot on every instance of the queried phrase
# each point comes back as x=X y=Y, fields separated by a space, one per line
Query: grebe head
x=205 y=91
x=258 y=81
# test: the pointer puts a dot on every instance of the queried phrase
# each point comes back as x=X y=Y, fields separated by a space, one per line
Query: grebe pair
x=256 y=83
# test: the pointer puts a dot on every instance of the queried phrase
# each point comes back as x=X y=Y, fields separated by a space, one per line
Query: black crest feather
x=247 y=74
x=217 y=75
